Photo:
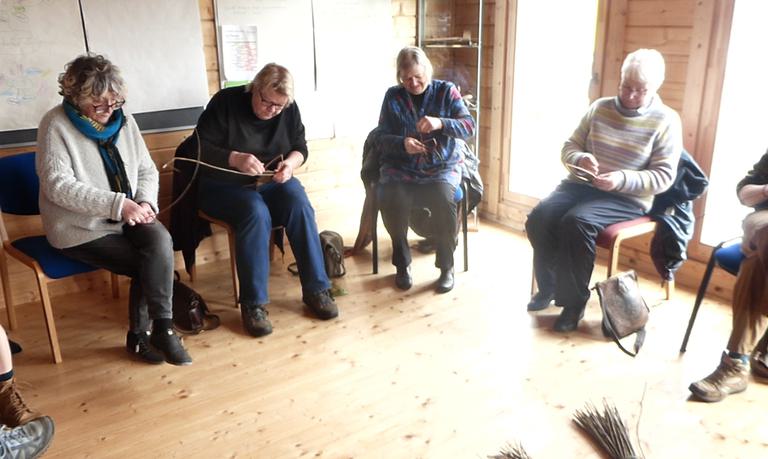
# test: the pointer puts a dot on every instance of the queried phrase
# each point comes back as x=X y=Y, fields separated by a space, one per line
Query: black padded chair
x=461 y=197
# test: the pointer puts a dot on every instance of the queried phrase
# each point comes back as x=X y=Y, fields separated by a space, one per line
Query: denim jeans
x=563 y=231
x=252 y=212
x=145 y=254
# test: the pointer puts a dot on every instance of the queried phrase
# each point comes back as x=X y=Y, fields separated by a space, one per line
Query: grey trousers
x=145 y=254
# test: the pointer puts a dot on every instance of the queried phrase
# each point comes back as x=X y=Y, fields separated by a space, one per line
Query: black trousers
x=145 y=254
x=563 y=230
x=396 y=199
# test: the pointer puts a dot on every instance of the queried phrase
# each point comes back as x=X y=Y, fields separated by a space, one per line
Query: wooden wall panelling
x=709 y=46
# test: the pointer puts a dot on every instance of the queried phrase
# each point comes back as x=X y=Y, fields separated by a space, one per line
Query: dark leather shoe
x=138 y=345
x=167 y=342
x=255 y=321
x=568 y=320
x=321 y=304
x=540 y=301
x=445 y=282
x=403 y=279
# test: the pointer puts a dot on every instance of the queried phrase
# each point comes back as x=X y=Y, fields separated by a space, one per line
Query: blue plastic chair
x=19 y=189
x=728 y=256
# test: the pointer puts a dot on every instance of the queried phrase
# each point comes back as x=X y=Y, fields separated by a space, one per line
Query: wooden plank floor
x=398 y=375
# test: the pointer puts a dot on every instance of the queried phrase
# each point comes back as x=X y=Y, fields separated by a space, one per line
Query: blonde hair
x=644 y=65
x=275 y=77
x=410 y=56
x=90 y=76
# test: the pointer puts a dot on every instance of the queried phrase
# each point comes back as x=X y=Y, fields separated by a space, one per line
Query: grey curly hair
x=90 y=76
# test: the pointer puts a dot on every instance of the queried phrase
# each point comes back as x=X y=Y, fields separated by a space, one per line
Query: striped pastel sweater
x=398 y=120
x=643 y=144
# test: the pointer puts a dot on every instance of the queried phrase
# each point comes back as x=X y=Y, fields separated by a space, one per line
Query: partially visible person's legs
x=13 y=410
x=438 y=198
x=395 y=202
x=244 y=209
x=750 y=324
x=145 y=254
x=541 y=229
x=289 y=207
x=575 y=261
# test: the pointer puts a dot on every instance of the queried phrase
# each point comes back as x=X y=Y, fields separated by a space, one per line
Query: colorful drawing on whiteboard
x=22 y=85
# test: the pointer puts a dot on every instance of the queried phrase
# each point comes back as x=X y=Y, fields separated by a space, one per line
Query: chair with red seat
x=612 y=236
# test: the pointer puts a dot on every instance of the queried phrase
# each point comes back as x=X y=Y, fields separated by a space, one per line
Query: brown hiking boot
x=730 y=377
x=13 y=410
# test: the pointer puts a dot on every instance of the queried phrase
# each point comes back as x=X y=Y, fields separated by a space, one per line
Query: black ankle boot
x=169 y=344
x=445 y=282
x=568 y=320
x=137 y=344
x=540 y=301
x=403 y=279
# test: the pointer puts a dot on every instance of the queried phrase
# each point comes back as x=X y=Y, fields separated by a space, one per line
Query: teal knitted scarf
x=105 y=137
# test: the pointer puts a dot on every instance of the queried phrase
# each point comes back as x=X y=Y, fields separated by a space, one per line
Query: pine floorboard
x=398 y=375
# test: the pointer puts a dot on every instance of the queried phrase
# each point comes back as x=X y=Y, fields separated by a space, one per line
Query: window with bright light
x=552 y=73
x=742 y=136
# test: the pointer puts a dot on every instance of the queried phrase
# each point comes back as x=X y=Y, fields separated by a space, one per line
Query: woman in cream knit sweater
x=98 y=200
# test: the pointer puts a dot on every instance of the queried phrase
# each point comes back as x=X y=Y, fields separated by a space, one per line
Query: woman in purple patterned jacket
x=420 y=122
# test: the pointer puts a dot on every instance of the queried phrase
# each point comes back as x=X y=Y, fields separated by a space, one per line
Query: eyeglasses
x=104 y=108
x=268 y=104
x=630 y=90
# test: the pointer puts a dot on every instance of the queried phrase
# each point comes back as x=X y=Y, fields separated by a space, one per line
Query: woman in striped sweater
x=624 y=152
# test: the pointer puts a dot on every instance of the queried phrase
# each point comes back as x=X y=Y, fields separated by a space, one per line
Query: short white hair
x=645 y=65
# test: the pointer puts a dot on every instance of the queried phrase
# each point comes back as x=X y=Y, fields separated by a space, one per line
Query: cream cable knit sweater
x=76 y=202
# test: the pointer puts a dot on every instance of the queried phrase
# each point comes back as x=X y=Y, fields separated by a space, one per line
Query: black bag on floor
x=190 y=313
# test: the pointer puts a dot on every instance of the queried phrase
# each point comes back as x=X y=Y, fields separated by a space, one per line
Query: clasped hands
x=250 y=164
x=425 y=125
x=608 y=181
x=136 y=214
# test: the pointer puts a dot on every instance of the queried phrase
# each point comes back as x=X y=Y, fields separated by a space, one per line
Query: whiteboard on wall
x=339 y=51
x=37 y=38
x=252 y=34
x=354 y=60
x=158 y=47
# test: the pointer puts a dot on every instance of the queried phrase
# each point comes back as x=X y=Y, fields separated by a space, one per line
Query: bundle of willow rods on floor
x=511 y=452
x=607 y=429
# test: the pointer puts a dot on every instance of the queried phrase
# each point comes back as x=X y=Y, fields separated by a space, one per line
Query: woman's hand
x=428 y=124
x=284 y=172
x=414 y=146
x=245 y=163
x=609 y=181
x=135 y=214
x=589 y=163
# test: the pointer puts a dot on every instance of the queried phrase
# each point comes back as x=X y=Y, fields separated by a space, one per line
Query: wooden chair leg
x=669 y=286
x=53 y=337
x=9 y=309
x=613 y=264
x=233 y=266
x=115 y=285
x=374 y=232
